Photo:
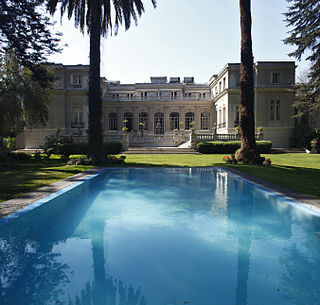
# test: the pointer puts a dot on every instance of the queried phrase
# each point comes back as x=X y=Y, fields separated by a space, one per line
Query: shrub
x=64 y=146
x=301 y=135
x=112 y=148
x=230 y=147
x=229 y=160
x=20 y=156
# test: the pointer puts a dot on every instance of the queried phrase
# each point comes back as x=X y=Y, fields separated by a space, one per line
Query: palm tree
x=248 y=150
x=95 y=16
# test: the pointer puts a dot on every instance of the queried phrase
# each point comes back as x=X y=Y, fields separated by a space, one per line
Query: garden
x=22 y=173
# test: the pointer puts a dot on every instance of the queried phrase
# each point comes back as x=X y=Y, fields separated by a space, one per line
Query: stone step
x=159 y=150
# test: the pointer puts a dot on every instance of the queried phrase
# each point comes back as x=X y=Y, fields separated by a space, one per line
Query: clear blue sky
x=182 y=38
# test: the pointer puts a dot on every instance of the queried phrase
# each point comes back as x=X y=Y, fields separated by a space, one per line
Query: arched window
x=174 y=120
x=188 y=119
x=159 y=123
x=143 y=121
x=128 y=120
x=205 y=120
x=113 y=122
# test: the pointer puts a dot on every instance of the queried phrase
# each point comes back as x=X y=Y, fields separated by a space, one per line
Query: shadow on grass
x=299 y=179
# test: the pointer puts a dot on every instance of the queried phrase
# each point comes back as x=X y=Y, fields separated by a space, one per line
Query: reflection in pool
x=158 y=237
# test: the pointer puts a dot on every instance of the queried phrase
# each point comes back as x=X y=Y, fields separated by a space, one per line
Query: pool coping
x=306 y=200
x=16 y=204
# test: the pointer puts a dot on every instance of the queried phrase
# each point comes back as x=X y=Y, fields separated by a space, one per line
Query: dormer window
x=275 y=78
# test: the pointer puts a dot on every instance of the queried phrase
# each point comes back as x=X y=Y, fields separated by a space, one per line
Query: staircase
x=160 y=150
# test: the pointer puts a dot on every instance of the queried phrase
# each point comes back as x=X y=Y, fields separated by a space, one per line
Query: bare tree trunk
x=248 y=150
x=95 y=99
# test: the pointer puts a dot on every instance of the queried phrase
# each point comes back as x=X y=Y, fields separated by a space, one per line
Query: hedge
x=230 y=147
x=110 y=148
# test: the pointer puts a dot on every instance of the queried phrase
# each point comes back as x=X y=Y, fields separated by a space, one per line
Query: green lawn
x=300 y=172
x=28 y=176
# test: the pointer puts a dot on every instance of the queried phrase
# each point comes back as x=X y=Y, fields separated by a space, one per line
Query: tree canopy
x=25 y=28
x=303 y=17
x=24 y=95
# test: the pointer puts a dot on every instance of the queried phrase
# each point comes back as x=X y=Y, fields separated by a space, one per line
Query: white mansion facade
x=166 y=106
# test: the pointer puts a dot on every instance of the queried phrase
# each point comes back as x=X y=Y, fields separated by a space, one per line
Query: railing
x=153 y=98
x=77 y=125
x=139 y=139
x=222 y=137
x=113 y=137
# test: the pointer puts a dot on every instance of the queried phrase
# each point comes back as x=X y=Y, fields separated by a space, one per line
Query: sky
x=182 y=38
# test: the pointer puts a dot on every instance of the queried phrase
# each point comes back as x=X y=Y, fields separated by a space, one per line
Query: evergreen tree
x=303 y=16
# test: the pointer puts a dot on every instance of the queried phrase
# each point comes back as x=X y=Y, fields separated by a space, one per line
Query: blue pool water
x=161 y=237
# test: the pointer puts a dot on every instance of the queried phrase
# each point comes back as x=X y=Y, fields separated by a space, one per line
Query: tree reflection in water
x=32 y=272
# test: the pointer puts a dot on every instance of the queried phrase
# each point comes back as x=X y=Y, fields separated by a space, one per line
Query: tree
x=248 y=151
x=25 y=29
x=303 y=16
x=24 y=95
x=96 y=17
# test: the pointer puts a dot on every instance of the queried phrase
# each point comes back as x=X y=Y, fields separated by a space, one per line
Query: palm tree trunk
x=95 y=99
x=248 y=150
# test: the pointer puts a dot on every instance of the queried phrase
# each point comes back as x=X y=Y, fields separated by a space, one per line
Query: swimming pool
x=160 y=237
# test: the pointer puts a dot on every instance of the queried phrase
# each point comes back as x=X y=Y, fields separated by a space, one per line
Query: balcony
x=76 y=86
x=77 y=125
x=154 y=98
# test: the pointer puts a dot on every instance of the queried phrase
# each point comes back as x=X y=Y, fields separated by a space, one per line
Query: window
x=174 y=120
x=130 y=96
x=113 y=122
x=159 y=123
x=224 y=83
x=115 y=96
x=144 y=95
x=272 y=110
x=224 y=116
x=219 y=87
x=275 y=78
x=174 y=94
x=143 y=121
x=203 y=95
x=128 y=120
x=205 y=118
x=238 y=80
x=237 y=120
x=277 y=110
x=188 y=119
x=76 y=81
x=77 y=117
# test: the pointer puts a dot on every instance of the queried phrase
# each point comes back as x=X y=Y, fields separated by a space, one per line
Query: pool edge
x=15 y=207
x=306 y=201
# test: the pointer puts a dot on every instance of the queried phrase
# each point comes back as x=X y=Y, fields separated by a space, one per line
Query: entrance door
x=159 y=123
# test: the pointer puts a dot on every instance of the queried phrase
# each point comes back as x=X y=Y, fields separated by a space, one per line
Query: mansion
x=154 y=111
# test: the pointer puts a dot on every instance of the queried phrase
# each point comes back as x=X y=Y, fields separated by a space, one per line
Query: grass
x=299 y=172
x=28 y=176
